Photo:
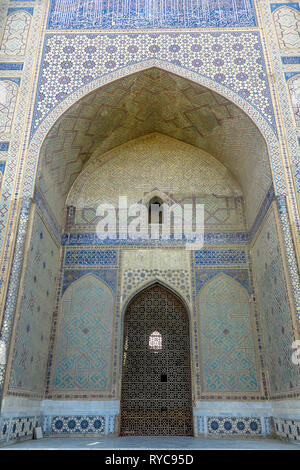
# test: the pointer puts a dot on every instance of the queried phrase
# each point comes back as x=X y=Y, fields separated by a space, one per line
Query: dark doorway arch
x=156 y=375
x=155 y=212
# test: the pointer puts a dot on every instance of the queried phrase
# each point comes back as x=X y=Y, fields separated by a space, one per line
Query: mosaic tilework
x=192 y=51
x=11 y=66
x=22 y=427
x=274 y=309
x=214 y=257
x=8 y=208
x=84 y=339
x=109 y=276
x=2 y=167
x=262 y=212
x=220 y=213
x=102 y=14
x=17 y=428
x=290 y=60
x=294 y=86
x=35 y=310
x=175 y=167
x=86 y=239
x=289 y=251
x=134 y=278
x=8 y=97
x=287 y=428
x=15 y=34
x=273 y=152
x=13 y=288
x=19 y=9
x=4 y=146
x=205 y=275
x=91 y=257
x=226 y=337
x=78 y=424
x=48 y=215
x=4 y=428
x=234 y=426
x=287 y=22
x=286 y=129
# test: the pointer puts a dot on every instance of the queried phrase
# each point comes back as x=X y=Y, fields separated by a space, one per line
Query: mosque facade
x=108 y=106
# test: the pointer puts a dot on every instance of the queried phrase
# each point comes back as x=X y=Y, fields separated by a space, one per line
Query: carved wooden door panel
x=156 y=377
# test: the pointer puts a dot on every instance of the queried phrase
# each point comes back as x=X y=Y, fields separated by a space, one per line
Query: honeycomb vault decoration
x=156 y=379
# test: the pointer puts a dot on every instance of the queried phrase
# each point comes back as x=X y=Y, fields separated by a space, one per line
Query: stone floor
x=146 y=443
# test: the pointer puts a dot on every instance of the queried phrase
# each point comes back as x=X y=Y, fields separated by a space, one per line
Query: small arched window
x=155 y=211
x=155 y=341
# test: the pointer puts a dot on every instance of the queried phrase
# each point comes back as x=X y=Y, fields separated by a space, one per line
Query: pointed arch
x=84 y=342
x=259 y=121
x=156 y=350
x=183 y=297
x=287 y=24
x=228 y=352
x=227 y=280
x=150 y=283
x=14 y=40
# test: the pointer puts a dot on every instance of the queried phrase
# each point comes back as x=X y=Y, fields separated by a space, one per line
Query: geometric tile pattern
x=109 y=276
x=233 y=52
x=173 y=166
x=8 y=97
x=8 y=315
x=274 y=309
x=226 y=338
x=21 y=427
x=287 y=22
x=36 y=310
x=293 y=276
x=83 y=71
x=294 y=86
x=131 y=107
x=134 y=278
x=84 y=337
x=234 y=426
x=18 y=427
x=214 y=257
x=15 y=33
x=89 y=257
x=4 y=428
x=220 y=214
x=78 y=424
x=72 y=14
x=287 y=428
x=226 y=212
x=214 y=238
x=205 y=275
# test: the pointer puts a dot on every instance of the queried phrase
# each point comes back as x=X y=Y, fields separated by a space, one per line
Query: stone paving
x=148 y=443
